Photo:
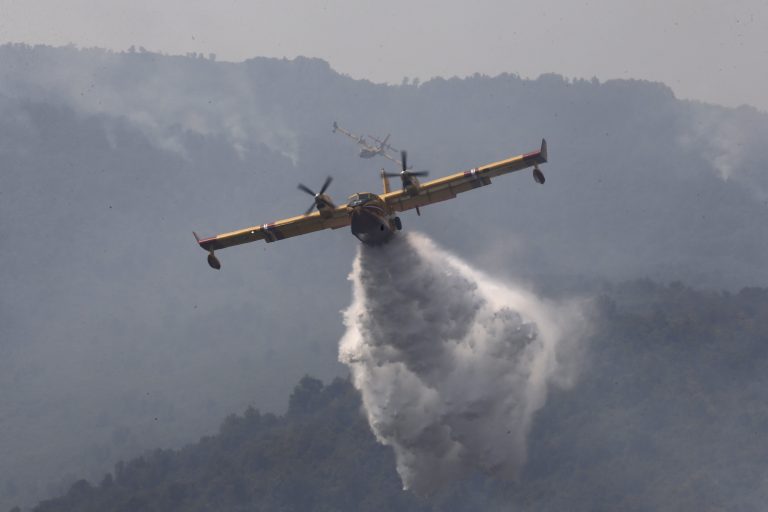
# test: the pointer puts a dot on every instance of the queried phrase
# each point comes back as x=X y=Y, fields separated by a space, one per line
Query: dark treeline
x=668 y=414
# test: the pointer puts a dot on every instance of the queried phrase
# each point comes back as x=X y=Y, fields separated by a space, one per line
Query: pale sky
x=709 y=50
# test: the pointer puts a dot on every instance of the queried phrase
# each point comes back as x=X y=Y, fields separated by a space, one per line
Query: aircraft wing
x=384 y=144
x=448 y=187
x=279 y=230
x=390 y=157
x=356 y=138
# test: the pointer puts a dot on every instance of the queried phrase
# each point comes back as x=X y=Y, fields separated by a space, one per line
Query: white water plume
x=451 y=365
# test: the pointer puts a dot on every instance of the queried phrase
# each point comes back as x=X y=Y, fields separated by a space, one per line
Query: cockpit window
x=360 y=199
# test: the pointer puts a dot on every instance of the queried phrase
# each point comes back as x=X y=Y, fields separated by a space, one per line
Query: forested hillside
x=669 y=414
x=116 y=337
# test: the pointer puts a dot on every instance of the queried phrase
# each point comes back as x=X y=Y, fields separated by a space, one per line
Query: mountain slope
x=668 y=415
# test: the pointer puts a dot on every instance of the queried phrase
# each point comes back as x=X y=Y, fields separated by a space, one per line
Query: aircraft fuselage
x=368 y=153
x=370 y=226
x=369 y=220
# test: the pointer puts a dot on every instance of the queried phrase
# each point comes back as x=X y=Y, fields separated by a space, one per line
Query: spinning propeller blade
x=306 y=189
x=328 y=181
x=317 y=195
x=405 y=174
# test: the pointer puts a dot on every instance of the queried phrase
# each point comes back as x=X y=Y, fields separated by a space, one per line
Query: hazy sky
x=710 y=50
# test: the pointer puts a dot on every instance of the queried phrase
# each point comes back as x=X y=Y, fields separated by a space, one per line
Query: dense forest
x=668 y=414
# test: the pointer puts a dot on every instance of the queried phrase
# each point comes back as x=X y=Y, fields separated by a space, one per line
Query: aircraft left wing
x=448 y=187
x=279 y=230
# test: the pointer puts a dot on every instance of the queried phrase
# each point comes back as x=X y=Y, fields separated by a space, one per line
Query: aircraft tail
x=335 y=126
x=384 y=144
x=385 y=181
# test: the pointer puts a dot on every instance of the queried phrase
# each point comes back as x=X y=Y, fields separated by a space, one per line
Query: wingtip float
x=371 y=217
x=208 y=244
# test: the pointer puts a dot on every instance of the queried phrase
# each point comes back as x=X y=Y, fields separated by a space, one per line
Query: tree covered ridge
x=320 y=451
x=669 y=414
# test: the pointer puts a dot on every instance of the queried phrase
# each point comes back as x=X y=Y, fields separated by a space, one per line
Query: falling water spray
x=451 y=364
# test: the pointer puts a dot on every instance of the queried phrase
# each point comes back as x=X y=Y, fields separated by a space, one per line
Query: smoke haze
x=110 y=318
x=451 y=365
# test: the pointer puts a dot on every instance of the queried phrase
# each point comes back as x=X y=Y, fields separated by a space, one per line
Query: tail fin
x=384 y=144
x=335 y=126
x=385 y=181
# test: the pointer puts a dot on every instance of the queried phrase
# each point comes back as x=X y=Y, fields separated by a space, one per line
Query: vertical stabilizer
x=385 y=181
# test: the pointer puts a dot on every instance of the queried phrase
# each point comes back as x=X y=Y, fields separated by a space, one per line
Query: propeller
x=319 y=201
x=405 y=174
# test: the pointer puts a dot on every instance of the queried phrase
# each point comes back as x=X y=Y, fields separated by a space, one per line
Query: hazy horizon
x=704 y=51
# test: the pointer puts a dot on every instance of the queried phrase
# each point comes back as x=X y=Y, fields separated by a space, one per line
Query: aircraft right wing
x=447 y=187
x=384 y=144
x=390 y=157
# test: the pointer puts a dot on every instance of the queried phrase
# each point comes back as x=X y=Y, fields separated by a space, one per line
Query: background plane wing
x=357 y=138
x=390 y=157
x=448 y=187
x=279 y=230
x=384 y=144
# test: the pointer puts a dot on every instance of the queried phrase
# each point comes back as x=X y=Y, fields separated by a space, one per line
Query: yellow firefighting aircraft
x=372 y=217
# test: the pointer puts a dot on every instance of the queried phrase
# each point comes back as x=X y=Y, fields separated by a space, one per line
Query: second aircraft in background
x=369 y=148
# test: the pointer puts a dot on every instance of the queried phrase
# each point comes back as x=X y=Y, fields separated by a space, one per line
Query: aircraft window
x=360 y=198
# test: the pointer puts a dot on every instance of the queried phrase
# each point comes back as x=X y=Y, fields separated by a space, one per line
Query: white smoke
x=733 y=141
x=164 y=97
x=450 y=364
